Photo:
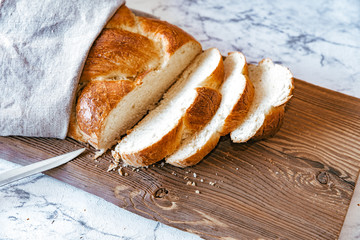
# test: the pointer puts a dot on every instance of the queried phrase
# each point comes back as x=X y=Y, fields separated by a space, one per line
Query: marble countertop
x=317 y=40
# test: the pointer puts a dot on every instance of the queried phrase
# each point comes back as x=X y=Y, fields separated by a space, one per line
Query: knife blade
x=25 y=171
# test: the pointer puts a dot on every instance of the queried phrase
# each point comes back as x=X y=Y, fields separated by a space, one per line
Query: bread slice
x=188 y=105
x=273 y=89
x=237 y=95
x=129 y=67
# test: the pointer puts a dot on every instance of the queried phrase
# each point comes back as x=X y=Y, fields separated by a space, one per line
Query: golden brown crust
x=154 y=153
x=74 y=131
x=96 y=101
x=202 y=109
x=217 y=76
x=123 y=17
x=272 y=123
x=173 y=37
x=200 y=154
x=119 y=52
x=127 y=49
x=240 y=110
x=245 y=70
x=207 y=102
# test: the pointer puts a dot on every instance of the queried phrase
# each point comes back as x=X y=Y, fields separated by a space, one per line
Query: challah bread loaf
x=237 y=95
x=188 y=106
x=129 y=67
x=273 y=85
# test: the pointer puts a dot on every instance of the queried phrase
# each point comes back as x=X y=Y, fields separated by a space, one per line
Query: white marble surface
x=317 y=40
x=351 y=227
x=40 y=207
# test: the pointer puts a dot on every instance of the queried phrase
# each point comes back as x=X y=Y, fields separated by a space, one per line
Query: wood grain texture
x=296 y=185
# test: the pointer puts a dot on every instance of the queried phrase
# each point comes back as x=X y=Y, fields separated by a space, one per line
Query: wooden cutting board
x=296 y=185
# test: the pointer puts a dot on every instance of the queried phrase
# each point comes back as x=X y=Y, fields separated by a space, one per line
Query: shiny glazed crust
x=128 y=49
x=98 y=98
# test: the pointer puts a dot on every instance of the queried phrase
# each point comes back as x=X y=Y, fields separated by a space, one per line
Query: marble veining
x=40 y=207
x=351 y=227
x=317 y=40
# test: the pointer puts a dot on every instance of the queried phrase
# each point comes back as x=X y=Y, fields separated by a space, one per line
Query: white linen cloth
x=43 y=47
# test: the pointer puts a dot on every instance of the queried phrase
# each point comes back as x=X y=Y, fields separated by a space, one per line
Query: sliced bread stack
x=185 y=109
x=237 y=95
x=250 y=104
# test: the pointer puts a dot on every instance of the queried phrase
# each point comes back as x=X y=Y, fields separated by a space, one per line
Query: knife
x=25 y=171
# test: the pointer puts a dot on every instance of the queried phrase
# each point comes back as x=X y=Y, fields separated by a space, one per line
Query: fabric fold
x=43 y=47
